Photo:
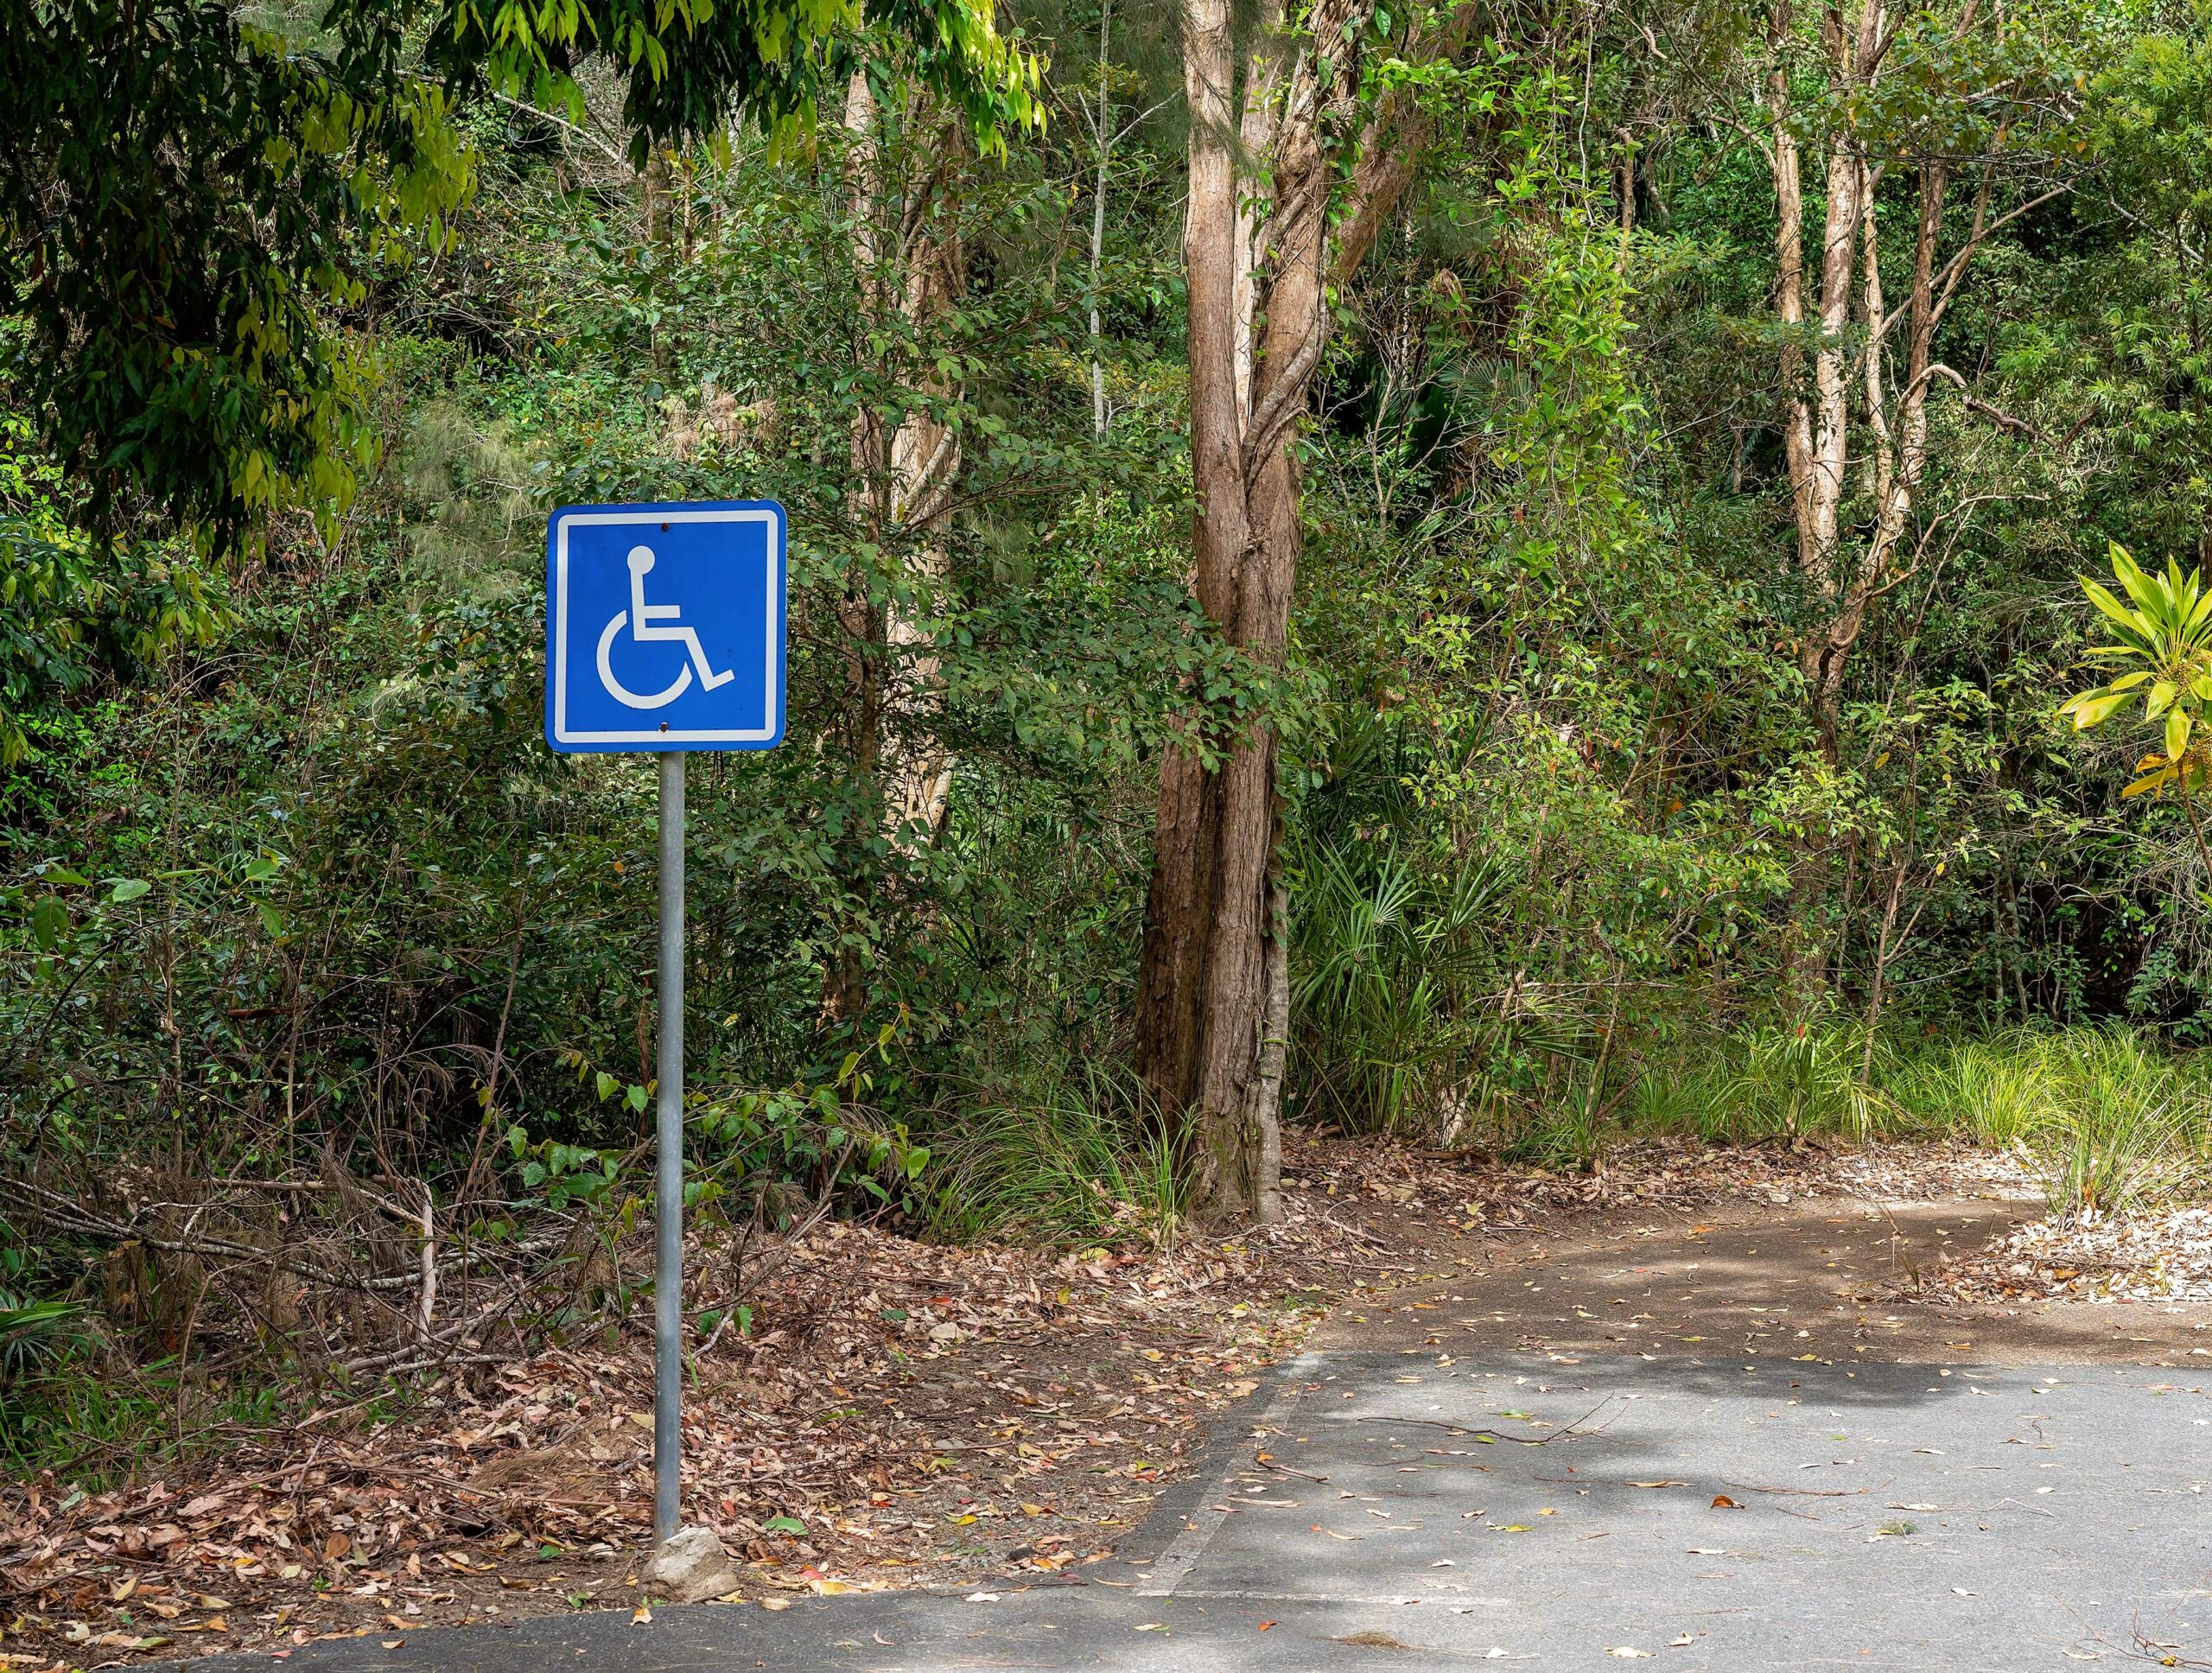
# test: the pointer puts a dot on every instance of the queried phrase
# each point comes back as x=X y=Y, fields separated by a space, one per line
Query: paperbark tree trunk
x=908 y=265
x=1103 y=133
x=1886 y=430
x=1213 y=1001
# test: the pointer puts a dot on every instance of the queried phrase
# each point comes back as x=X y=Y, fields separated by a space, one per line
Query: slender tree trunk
x=924 y=461
x=1213 y=1004
x=1882 y=948
x=1818 y=435
x=1174 y=1019
x=913 y=270
x=1790 y=296
x=844 y=985
x=653 y=187
x=1104 y=134
x=908 y=265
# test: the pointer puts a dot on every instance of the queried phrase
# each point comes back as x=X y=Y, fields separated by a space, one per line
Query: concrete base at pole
x=690 y=1567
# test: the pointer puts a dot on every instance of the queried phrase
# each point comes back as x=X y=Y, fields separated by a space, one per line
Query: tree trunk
x=1213 y=1004
x=1103 y=133
x=907 y=262
x=653 y=187
x=1844 y=578
x=1178 y=1016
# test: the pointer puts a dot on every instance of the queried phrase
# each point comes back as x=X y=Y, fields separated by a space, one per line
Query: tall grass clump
x=2129 y=1128
x=1080 y=1166
x=1998 y=1088
x=1780 y=1084
x=1567 y=1136
x=1804 y=1081
x=2108 y=1120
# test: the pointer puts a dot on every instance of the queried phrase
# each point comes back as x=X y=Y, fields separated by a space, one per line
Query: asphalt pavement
x=1422 y=1508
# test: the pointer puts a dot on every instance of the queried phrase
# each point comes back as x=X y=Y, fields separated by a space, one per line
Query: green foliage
x=185 y=198
x=1388 y=956
x=688 y=64
x=346 y=836
x=2166 y=643
x=182 y=197
x=29 y=1333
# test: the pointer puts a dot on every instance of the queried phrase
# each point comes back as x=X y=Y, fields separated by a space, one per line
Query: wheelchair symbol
x=640 y=617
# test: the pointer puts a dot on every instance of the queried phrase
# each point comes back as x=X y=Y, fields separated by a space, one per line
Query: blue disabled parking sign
x=664 y=626
x=665 y=632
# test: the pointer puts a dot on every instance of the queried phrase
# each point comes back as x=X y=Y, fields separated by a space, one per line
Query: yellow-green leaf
x=2119 y=613
x=2093 y=707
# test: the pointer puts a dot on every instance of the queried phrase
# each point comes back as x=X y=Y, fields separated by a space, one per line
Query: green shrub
x=1383 y=950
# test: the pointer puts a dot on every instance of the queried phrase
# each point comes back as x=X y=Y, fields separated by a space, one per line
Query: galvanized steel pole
x=667 y=1272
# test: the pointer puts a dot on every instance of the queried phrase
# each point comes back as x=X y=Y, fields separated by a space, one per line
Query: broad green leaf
x=2139 y=587
x=49 y=922
x=2131 y=625
x=2198 y=617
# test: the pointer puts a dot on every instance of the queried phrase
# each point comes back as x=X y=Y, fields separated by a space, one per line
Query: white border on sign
x=654 y=735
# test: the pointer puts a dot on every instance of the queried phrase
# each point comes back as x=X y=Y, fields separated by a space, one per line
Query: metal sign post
x=664 y=634
x=668 y=1188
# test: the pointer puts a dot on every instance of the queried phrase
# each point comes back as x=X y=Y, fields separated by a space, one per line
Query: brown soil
x=1830 y=1278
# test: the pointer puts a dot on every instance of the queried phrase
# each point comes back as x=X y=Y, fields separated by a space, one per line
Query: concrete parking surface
x=1389 y=1508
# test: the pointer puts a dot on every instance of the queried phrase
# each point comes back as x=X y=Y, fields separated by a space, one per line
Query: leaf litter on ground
x=902 y=1413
